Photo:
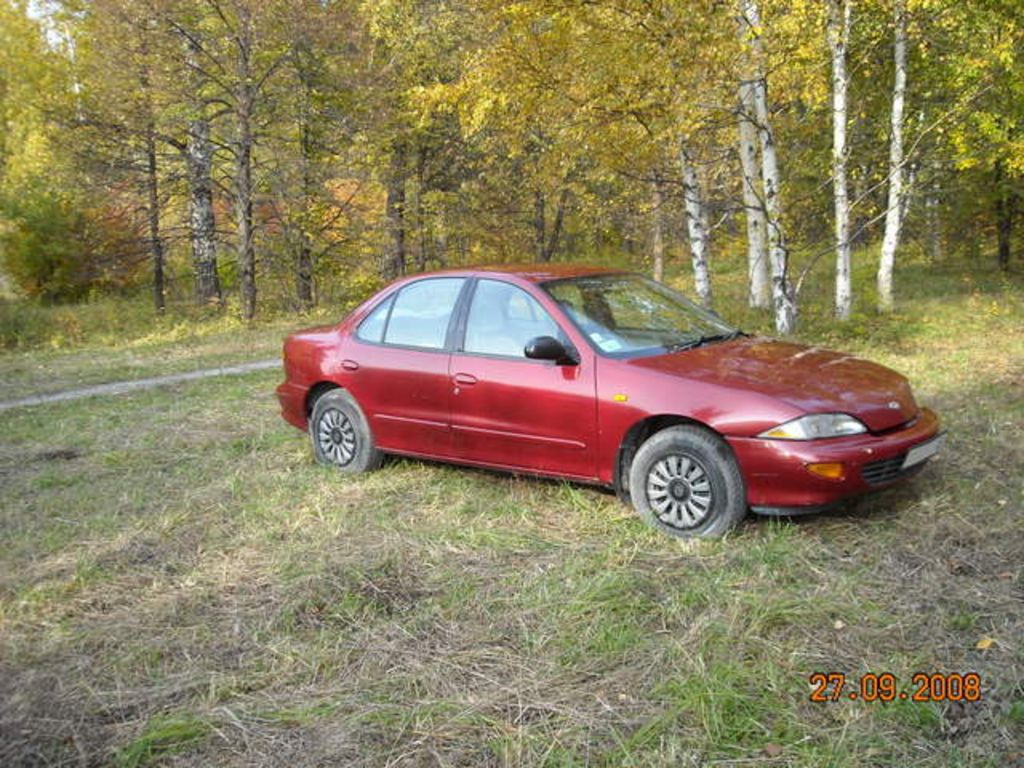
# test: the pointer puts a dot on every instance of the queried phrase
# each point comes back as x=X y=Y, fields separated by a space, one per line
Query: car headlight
x=815 y=427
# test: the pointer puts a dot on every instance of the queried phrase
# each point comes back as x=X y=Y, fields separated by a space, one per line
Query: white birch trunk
x=838 y=39
x=199 y=163
x=753 y=206
x=782 y=293
x=696 y=226
x=893 y=217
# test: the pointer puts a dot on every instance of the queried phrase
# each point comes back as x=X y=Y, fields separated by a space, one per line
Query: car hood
x=811 y=379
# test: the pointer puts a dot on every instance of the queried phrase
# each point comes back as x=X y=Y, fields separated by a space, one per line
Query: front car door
x=513 y=412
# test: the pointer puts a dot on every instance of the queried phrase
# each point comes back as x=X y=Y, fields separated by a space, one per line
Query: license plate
x=923 y=452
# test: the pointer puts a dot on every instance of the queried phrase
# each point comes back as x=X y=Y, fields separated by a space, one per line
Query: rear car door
x=401 y=377
x=508 y=410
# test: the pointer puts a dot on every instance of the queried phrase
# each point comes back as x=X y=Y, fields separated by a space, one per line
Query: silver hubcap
x=336 y=437
x=679 y=491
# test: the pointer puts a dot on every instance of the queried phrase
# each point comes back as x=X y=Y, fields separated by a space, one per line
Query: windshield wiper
x=700 y=341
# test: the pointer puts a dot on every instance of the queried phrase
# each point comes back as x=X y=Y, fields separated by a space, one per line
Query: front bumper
x=778 y=480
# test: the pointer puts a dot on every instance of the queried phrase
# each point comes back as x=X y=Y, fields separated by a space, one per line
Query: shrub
x=54 y=249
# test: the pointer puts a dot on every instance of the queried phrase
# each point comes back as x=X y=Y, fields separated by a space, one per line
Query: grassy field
x=109 y=348
x=181 y=585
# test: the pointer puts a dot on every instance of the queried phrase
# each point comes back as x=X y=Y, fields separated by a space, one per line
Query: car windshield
x=628 y=315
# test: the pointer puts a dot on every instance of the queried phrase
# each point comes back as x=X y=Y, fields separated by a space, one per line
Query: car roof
x=535 y=273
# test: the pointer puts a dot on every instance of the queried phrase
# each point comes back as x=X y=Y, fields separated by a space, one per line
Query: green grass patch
x=163 y=736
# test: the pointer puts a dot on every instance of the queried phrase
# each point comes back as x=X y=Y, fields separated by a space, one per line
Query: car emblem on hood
x=894 y=405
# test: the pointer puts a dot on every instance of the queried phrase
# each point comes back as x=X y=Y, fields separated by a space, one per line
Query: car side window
x=503 y=318
x=372 y=327
x=421 y=313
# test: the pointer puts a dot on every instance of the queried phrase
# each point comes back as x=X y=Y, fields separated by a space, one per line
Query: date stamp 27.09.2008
x=829 y=687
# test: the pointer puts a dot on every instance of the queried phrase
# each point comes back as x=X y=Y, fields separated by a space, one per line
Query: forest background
x=244 y=159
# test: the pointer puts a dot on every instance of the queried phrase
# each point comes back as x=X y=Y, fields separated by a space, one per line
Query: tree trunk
x=396 y=213
x=783 y=300
x=422 y=252
x=753 y=205
x=893 y=218
x=556 y=228
x=838 y=40
x=304 y=257
x=907 y=196
x=245 y=100
x=244 y=211
x=931 y=219
x=304 y=273
x=696 y=226
x=156 y=243
x=540 y=225
x=658 y=227
x=1006 y=205
x=202 y=221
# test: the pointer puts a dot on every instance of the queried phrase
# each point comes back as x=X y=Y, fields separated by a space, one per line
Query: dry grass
x=46 y=371
x=180 y=585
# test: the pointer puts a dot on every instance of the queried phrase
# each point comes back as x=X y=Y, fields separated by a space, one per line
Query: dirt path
x=121 y=387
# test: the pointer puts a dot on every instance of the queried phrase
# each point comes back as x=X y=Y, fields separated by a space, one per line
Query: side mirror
x=549 y=348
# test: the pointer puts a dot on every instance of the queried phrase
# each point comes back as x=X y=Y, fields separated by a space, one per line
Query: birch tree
x=839 y=12
x=893 y=211
x=753 y=205
x=198 y=153
x=783 y=299
x=696 y=225
x=237 y=60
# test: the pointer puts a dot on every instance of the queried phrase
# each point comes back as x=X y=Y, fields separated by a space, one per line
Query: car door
x=508 y=410
x=400 y=367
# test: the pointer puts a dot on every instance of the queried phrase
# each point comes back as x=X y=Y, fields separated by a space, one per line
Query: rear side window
x=421 y=313
x=372 y=327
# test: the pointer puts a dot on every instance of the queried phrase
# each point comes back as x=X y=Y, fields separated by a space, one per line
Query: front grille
x=887 y=470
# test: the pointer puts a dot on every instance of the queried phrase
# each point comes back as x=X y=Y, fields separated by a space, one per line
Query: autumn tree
x=783 y=297
x=894 y=204
x=839 y=20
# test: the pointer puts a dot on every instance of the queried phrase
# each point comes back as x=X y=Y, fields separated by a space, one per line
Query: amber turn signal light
x=830 y=470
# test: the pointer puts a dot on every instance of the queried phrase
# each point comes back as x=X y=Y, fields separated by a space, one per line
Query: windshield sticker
x=609 y=345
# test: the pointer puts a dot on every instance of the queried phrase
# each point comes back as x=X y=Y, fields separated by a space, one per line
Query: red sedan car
x=603 y=377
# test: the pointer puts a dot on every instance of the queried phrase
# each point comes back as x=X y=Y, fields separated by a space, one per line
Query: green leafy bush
x=54 y=248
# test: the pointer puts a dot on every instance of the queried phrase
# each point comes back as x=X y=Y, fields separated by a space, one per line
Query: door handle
x=465 y=379
x=350 y=365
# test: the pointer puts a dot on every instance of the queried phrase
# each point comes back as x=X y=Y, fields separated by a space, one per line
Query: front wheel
x=684 y=481
x=340 y=434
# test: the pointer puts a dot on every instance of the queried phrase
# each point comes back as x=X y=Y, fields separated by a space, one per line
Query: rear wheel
x=341 y=435
x=684 y=481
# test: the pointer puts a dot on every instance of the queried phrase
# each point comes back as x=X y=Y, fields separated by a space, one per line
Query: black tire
x=684 y=481
x=341 y=435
